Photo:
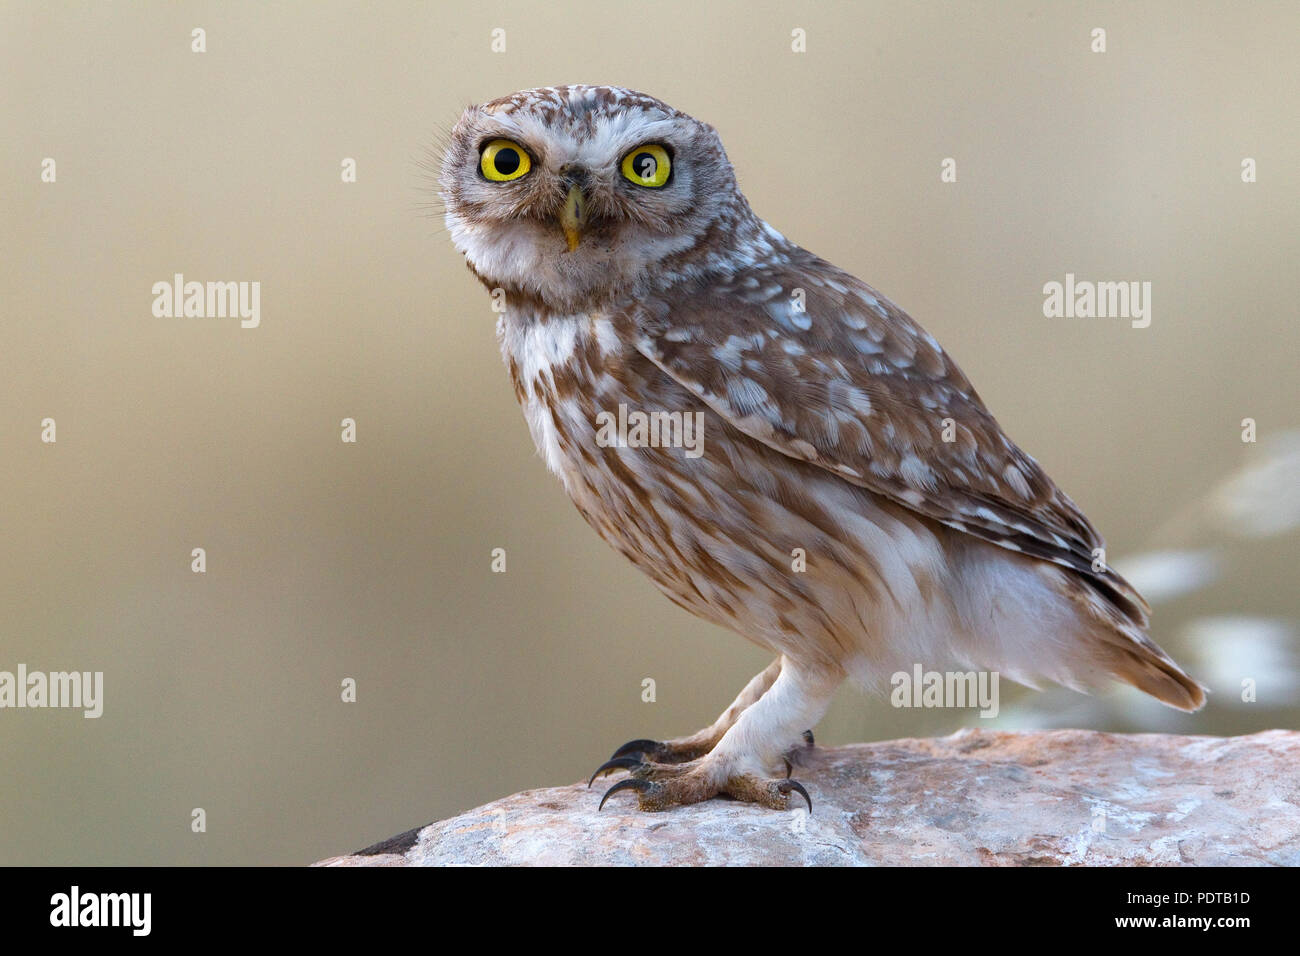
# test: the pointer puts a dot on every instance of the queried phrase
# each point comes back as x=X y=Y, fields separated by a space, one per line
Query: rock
x=988 y=798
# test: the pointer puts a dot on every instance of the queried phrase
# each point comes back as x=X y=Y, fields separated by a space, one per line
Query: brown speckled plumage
x=834 y=426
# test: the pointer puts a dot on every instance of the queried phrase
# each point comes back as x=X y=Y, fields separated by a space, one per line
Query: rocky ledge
x=976 y=798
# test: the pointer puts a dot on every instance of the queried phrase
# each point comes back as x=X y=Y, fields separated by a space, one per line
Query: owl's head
x=573 y=195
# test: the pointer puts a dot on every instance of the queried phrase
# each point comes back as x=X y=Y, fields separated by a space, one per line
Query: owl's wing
x=819 y=366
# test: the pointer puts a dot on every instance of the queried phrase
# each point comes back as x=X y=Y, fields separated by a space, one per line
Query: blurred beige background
x=371 y=561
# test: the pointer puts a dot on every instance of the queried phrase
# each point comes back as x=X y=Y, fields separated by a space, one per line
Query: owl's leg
x=744 y=764
x=681 y=749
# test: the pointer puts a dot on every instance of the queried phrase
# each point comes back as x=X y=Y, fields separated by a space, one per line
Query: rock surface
x=982 y=798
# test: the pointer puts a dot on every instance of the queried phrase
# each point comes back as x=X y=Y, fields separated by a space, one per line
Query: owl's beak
x=572 y=216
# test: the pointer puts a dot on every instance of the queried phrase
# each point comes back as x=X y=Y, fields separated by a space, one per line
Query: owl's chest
x=711 y=516
x=620 y=434
x=579 y=385
x=559 y=370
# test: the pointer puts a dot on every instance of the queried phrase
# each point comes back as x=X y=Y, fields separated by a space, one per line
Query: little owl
x=855 y=509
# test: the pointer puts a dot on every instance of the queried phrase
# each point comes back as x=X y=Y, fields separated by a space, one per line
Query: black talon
x=808 y=738
x=616 y=763
x=636 y=747
x=631 y=783
x=785 y=786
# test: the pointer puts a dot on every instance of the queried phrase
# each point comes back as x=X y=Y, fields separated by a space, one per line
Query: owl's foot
x=703 y=741
x=666 y=751
x=733 y=757
x=662 y=786
x=635 y=753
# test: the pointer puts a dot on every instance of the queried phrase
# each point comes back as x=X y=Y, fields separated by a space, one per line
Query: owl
x=780 y=448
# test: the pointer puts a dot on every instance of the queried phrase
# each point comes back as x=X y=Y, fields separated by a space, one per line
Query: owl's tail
x=1135 y=659
x=1053 y=624
x=1128 y=654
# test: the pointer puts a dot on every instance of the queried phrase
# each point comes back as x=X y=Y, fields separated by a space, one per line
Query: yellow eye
x=503 y=161
x=647 y=166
